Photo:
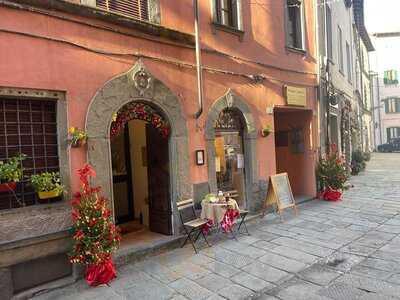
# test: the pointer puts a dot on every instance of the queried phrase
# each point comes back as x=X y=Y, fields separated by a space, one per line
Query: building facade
x=335 y=22
x=173 y=97
x=364 y=135
x=386 y=89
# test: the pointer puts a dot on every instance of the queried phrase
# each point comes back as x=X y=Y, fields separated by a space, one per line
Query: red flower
x=92 y=222
x=78 y=235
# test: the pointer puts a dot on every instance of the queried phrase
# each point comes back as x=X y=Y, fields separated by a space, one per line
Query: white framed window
x=349 y=62
x=340 y=50
x=392 y=105
x=137 y=9
x=228 y=13
x=294 y=13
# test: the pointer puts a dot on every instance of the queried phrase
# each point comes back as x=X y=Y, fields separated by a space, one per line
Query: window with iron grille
x=227 y=13
x=137 y=9
x=28 y=127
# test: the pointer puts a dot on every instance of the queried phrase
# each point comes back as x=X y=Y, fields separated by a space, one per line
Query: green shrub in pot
x=47 y=184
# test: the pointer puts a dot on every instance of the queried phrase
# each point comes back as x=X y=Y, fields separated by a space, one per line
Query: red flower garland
x=140 y=111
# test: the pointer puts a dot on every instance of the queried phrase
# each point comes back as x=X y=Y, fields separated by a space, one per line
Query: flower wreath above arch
x=139 y=111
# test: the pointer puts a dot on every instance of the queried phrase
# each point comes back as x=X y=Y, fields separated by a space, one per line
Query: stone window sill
x=235 y=31
x=296 y=50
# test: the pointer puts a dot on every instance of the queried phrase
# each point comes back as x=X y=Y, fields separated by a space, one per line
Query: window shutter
x=388 y=134
x=387 y=105
x=137 y=9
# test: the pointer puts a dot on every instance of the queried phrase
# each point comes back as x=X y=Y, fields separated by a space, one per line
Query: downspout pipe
x=199 y=66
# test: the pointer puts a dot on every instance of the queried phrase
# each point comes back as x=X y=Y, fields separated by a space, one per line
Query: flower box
x=8 y=187
x=49 y=194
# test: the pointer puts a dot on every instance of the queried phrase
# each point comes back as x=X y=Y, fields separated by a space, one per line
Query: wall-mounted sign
x=295 y=95
x=280 y=193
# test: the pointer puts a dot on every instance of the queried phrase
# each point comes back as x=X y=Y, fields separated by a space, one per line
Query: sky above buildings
x=383 y=16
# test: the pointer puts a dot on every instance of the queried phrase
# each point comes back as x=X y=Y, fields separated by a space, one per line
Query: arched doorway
x=232 y=109
x=229 y=153
x=138 y=85
x=140 y=165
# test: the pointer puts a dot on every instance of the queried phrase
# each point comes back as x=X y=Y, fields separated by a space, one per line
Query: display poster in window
x=240 y=161
x=280 y=194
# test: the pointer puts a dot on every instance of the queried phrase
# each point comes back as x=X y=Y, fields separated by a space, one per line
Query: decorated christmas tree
x=94 y=234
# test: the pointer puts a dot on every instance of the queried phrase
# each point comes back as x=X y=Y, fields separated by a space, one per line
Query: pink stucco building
x=87 y=63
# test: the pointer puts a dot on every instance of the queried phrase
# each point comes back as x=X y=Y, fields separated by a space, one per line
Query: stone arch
x=138 y=84
x=232 y=100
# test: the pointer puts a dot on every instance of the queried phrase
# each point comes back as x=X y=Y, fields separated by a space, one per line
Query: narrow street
x=345 y=250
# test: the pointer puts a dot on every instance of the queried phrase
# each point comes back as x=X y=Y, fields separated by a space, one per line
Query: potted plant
x=47 y=185
x=11 y=173
x=266 y=131
x=332 y=175
x=78 y=137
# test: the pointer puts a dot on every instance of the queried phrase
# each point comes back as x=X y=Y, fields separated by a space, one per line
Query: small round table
x=215 y=211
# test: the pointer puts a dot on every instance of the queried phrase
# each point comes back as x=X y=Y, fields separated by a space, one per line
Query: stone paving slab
x=331 y=251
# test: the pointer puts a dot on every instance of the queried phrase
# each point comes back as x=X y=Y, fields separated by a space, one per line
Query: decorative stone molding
x=108 y=100
x=232 y=100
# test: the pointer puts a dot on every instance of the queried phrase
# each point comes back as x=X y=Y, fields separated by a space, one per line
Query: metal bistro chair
x=243 y=213
x=194 y=225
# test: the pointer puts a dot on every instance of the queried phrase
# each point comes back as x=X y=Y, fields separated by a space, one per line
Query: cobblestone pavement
x=341 y=251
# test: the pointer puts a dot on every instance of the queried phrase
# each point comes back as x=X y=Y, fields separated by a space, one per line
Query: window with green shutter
x=390 y=77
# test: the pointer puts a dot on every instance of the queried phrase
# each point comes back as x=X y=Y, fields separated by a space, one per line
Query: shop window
x=228 y=13
x=28 y=127
x=137 y=9
x=295 y=24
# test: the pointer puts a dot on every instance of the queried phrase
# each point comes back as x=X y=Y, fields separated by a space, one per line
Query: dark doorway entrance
x=158 y=182
x=122 y=177
x=140 y=164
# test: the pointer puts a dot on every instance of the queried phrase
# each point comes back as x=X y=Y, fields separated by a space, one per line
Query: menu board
x=280 y=192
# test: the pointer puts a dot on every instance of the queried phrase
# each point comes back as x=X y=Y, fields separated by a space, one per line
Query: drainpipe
x=198 y=60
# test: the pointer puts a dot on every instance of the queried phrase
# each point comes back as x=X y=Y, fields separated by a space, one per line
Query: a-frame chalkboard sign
x=280 y=194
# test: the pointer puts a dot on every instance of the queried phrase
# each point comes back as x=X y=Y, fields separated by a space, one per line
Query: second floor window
x=295 y=24
x=392 y=105
x=227 y=12
x=137 y=9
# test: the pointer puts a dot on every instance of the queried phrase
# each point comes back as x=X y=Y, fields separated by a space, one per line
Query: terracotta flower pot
x=8 y=187
x=49 y=194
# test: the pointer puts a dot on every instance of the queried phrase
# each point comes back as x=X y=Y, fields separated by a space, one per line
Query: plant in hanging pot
x=10 y=173
x=266 y=131
x=332 y=175
x=78 y=137
x=47 y=185
x=93 y=231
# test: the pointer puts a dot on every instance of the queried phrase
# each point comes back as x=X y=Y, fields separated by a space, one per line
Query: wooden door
x=122 y=177
x=158 y=181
